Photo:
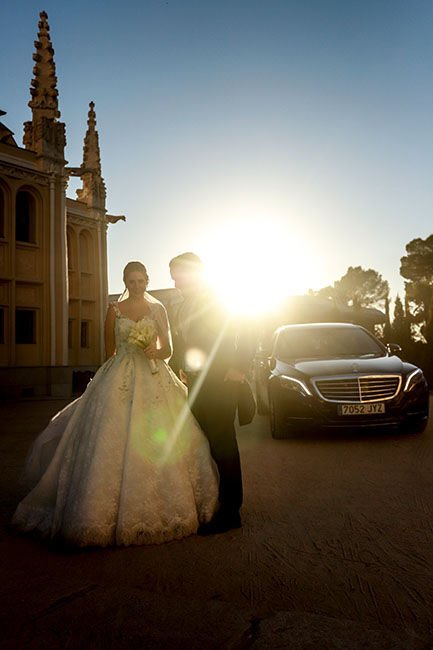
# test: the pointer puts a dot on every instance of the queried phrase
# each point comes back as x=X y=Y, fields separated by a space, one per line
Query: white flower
x=142 y=334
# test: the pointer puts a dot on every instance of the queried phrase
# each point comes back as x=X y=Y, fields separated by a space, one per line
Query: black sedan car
x=338 y=375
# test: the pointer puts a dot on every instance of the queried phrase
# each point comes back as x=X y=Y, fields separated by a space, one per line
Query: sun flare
x=253 y=265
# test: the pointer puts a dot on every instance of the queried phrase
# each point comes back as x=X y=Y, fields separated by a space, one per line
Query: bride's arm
x=110 y=343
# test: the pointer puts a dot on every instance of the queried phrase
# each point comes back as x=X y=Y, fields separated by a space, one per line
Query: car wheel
x=415 y=426
x=278 y=428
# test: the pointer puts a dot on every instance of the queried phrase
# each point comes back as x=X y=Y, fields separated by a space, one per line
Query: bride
x=125 y=463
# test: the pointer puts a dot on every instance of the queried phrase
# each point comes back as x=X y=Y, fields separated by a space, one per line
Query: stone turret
x=93 y=190
x=44 y=134
x=6 y=135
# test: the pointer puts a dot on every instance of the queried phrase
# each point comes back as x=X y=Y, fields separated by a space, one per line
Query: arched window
x=25 y=217
x=86 y=261
x=2 y=213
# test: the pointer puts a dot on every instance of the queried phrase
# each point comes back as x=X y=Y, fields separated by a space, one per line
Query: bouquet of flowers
x=142 y=334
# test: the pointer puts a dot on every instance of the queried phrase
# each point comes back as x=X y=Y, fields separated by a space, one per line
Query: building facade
x=53 y=249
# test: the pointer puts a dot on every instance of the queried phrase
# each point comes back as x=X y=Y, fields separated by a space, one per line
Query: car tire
x=278 y=428
x=261 y=385
x=415 y=426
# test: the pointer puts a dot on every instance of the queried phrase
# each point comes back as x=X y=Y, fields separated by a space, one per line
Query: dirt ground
x=336 y=551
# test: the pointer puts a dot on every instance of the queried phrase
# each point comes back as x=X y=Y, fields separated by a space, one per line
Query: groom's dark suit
x=207 y=335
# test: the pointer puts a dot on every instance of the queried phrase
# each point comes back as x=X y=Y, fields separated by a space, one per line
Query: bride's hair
x=135 y=266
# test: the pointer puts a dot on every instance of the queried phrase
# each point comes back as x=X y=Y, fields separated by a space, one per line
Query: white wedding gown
x=126 y=463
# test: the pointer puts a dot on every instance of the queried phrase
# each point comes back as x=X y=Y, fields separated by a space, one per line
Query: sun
x=254 y=264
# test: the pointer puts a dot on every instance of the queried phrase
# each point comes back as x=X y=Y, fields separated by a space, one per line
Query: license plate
x=361 y=409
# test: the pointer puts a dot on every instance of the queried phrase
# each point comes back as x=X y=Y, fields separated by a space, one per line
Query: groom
x=214 y=360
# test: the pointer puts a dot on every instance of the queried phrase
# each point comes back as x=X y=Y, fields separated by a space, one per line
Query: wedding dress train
x=126 y=463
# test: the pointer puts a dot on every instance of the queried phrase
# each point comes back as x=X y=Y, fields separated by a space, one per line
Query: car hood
x=324 y=367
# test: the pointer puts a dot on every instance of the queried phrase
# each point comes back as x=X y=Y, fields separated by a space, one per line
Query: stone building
x=53 y=249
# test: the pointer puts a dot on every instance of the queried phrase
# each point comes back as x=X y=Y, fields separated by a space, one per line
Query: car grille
x=368 y=388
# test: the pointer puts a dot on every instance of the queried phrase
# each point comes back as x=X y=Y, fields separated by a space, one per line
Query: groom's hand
x=233 y=374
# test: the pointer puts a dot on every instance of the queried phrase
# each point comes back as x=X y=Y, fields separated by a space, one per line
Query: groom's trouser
x=214 y=406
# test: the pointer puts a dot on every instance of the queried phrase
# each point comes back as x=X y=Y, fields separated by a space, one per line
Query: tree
x=361 y=287
x=326 y=292
x=417 y=268
x=387 y=327
x=401 y=325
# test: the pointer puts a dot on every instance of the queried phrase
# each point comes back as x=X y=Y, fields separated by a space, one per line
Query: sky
x=294 y=136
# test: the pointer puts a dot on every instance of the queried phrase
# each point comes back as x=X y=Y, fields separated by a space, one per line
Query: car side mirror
x=394 y=348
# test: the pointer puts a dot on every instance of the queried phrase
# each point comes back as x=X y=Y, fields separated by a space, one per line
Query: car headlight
x=295 y=384
x=414 y=378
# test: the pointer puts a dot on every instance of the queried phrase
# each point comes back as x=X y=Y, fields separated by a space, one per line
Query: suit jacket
x=205 y=330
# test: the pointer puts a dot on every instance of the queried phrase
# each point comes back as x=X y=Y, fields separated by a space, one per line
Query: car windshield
x=327 y=343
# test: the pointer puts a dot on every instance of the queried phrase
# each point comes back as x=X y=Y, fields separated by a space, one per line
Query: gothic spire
x=91 y=153
x=44 y=134
x=44 y=83
x=93 y=190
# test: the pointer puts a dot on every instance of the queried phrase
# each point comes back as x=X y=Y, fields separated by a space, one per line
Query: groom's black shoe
x=221 y=523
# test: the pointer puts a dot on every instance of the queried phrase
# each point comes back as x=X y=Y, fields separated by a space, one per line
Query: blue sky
x=313 y=119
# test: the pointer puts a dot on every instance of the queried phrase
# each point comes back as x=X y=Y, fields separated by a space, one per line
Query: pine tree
x=401 y=331
x=361 y=287
x=417 y=268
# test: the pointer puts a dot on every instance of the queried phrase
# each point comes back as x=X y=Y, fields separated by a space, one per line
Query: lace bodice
x=123 y=325
x=122 y=329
